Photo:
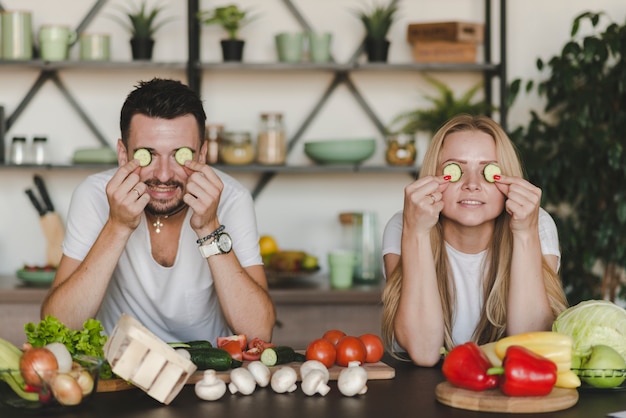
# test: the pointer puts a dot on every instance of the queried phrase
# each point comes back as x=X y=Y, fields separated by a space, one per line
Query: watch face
x=225 y=243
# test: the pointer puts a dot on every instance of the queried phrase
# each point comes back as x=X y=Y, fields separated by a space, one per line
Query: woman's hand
x=423 y=204
x=127 y=195
x=523 y=201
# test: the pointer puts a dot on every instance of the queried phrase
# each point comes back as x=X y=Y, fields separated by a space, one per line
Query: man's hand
x=204 y=189
x=126 y=195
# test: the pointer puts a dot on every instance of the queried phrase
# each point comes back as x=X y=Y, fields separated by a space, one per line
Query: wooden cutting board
x=495 y=401
x=375 y=371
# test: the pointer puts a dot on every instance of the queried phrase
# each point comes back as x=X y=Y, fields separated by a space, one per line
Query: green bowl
x=340 y=151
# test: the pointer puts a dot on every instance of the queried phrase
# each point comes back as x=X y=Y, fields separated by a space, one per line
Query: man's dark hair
x=161 y=98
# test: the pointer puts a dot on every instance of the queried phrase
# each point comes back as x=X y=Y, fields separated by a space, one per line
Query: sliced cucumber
x=490 y=171
x=144 y=157
x=454 y=171
x=274 y=356
x=183 y=154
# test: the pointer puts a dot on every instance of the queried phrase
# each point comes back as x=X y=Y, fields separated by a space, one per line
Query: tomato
x=240 y=338
x=373 y=346
x=234 y=349
x=257 y=342
x=334 y=335
x=349 y=349
x=321 y=350
x=255 y=349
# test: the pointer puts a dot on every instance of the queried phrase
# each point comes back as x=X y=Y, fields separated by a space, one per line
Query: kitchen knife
x=43 y=192
x=35 y=202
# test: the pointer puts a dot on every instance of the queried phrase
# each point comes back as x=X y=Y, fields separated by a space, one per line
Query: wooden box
x=139 y=356
x=446 y=31
x=445 y=52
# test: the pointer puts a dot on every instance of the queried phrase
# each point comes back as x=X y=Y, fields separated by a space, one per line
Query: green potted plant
x=377 y=21
x=231 y=18
x=141 y=22
x=575 y=151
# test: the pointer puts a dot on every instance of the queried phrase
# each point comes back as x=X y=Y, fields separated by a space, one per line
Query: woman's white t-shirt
x=466 y=269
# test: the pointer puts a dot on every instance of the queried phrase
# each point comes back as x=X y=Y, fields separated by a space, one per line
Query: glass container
x=39 y=149
x=213 y=135
x=271 y=146
x=18 y=149
x=237 y=148
x=401 y=149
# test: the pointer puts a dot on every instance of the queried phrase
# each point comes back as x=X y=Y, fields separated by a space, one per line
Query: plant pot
x=232 y=49
x=377 y=49
x=142 y=48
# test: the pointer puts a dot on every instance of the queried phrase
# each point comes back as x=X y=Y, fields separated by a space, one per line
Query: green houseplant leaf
x=231 y=18
x=378 y=19
x=141 y=22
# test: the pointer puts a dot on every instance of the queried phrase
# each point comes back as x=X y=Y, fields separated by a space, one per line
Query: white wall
x=300 y=210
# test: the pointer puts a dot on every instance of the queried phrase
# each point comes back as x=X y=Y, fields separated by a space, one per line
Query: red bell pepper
x=466 y=366
x=526 y=373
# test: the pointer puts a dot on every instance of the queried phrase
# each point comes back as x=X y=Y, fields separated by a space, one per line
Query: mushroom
x=210 y=388
x=241 y=380
x=315 y=382
x=284 y=380
x=260 y=372
x=184 y=353
x=310 y=365
x=352 y=380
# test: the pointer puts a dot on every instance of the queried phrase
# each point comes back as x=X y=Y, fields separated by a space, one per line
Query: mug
x=55 y=41
x=319 y=46
x=17 y=37
x=95 y=47
x=341 y=265
x=289 y=46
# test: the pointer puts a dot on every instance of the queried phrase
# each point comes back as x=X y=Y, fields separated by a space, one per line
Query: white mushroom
x=184 y=353
x=210 y=388
x=260 y=372
x=284 y=380
x=352 y=380
x=242 y=381
x=315 y=382
x=310 y=365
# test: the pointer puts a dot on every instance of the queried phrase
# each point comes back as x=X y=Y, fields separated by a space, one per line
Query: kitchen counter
x=410 y=393
x=305 y=307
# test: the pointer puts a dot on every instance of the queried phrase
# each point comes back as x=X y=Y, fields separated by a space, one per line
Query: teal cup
x=341 y=266
x=95 y=47
x=17 y=35
x=55 y=41
x=290 y=46
x=319 y=46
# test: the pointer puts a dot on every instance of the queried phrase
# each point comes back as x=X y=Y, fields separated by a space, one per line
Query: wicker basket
x=139 y=356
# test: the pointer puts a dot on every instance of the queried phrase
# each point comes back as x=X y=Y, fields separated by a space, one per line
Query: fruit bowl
x=340 y=151
x=602 y=379
x=57 y=390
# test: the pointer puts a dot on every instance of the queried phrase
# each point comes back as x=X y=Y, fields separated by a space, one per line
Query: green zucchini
x=212 y=358
x=273 y=356
x=191 y=344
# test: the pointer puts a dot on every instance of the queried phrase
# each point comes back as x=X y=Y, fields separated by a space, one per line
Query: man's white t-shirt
x=466 y=270
x=177 y=303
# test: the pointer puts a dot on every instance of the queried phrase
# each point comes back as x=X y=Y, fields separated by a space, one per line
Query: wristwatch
x=222 y=244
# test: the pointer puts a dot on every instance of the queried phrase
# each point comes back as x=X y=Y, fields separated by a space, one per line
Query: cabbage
x=593 y=322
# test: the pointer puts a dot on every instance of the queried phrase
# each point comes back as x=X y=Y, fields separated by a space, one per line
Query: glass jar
x=213 y=135
x=237 y=148
x=271 y=146
x=18 y=149
x=401 y=149
x=39 y=149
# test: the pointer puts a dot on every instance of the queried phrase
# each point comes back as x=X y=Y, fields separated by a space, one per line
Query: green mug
x=290 y=46
x=55 y=41
x=17 y=36
x=319 y=46
x=95 y=47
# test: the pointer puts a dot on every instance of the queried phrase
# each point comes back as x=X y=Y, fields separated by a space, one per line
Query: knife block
x=54 y=232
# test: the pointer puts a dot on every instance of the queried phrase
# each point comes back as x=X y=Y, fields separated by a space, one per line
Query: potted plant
x=377 y=21
x=575 y=152
x=231 y=19
x=142 y=24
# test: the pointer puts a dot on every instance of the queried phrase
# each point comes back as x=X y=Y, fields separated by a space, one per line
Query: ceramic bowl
x=602 y=379
x=340 y=151
x=56 y=391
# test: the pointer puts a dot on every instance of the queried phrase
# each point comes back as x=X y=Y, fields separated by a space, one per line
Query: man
x=153 y=240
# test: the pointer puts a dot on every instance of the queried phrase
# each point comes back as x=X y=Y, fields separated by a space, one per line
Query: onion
x=63 y=356
x=34 y=362
x=85 y=381
x=66 y=390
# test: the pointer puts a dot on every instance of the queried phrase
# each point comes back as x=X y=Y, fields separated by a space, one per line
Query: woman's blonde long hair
x=492 y=323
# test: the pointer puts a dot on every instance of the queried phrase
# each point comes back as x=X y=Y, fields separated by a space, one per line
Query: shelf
x=346 y=67
x=96 y=65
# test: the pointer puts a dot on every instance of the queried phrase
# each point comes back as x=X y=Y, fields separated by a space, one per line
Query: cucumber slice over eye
x=454 y=171
x=144 y=157
x=183 y=154
x=490 y=171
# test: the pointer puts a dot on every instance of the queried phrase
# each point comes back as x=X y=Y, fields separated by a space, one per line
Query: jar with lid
x=213 y=136
x=237 y=148
x=18 y=149
x=401 y=149
x=271 y=146
x=39 y=149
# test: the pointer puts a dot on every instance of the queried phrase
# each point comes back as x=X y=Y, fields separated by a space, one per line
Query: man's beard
x=165 y=208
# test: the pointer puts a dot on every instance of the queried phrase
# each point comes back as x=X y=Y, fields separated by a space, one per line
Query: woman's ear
x=122 y=155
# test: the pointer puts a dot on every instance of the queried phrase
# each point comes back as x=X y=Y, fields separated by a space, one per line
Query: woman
x=479 y=257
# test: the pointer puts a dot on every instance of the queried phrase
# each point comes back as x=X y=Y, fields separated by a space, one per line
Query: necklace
x=158 y=224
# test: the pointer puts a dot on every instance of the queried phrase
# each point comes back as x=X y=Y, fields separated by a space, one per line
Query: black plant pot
x=377 y=49
x=232 y=49
x=142 y=48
